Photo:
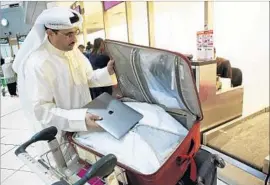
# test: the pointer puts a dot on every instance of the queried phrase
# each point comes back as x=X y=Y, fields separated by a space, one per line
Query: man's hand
x=91 y=119
x=110 y=66
x=118 y=96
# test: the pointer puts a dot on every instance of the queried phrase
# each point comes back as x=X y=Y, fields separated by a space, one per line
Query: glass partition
x=116 y=23
x=138 y=23
x=94 y=20
x=5 y=50
x=176 y=25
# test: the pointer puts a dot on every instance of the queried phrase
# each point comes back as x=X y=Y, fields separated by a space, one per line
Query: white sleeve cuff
x=103 y=76
x=77 y=119
x=114 y=79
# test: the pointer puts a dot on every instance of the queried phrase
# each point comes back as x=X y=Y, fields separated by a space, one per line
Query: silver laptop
x=117 y=118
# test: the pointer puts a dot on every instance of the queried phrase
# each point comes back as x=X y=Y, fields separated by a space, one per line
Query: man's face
x=64 y=39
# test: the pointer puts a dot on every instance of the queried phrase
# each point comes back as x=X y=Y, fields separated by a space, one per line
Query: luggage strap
x=193 y=167
x=189 y=157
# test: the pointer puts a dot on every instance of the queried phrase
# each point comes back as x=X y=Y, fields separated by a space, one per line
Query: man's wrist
x=111 y=71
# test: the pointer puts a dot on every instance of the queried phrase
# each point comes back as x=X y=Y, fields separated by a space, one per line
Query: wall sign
x=21 y=38
x=205 y=45
x=77 y=7
x=109 y=4
x=4 y=41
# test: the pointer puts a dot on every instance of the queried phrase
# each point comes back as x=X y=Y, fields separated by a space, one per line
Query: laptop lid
x=117 y=117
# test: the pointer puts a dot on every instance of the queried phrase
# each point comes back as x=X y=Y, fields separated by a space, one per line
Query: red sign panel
x=109 y=4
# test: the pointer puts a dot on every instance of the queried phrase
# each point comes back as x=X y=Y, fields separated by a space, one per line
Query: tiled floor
x=15 y=130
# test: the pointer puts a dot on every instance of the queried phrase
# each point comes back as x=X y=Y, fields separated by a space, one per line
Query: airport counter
x=218 y=106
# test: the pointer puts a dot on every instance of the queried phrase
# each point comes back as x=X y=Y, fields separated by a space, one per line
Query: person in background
x=10 y=77
x=99 y=59
x=88 y=50
x=3 y=83
x=89 y=47
x=2 y=61
x=224 y=69
x=81 y=48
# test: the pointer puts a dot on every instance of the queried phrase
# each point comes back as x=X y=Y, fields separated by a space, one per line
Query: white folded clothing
x=147 y=146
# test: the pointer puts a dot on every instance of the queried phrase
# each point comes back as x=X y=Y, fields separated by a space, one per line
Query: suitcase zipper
x=175 y=53
x=137 y=76
x=178 y=84
x=178 y=87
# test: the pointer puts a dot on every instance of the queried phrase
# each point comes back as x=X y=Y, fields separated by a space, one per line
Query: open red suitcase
x=134 y=67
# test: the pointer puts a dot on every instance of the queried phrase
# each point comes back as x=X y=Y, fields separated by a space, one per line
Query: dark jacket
x=99 y=61
x=224 y=68
x=2 y=61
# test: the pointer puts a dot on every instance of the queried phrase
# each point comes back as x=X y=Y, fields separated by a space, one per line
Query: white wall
x=176 y=25
x=118 y=32
x=80 y=39
x=241 y=32
x=99 y=34
x=139 y=23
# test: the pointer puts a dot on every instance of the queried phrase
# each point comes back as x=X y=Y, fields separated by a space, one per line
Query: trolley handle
x=47 y=134
x=102 y=168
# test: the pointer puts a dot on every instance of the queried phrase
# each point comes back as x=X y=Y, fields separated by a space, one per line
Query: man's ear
x=49 y=32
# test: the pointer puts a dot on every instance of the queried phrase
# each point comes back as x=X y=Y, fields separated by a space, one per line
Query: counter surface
x=202 y=63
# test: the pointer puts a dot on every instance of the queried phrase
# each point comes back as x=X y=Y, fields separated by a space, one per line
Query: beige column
x=105 y=23
x=84 y=27
x=150 y=18
x=17 y=39
x=11 y=42
x=208 y=14
x=129 y=21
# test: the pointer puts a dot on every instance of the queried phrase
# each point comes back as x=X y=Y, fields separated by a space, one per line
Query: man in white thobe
x=54 y=76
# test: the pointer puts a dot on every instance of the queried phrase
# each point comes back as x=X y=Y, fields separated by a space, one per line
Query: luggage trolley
x=64 y=173
x=101 y=172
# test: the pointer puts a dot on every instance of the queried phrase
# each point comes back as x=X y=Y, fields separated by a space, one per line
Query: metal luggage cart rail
x=59 y=169
x=93 y=156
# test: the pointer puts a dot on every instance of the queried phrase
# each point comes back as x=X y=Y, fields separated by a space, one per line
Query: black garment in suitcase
x=207 y=164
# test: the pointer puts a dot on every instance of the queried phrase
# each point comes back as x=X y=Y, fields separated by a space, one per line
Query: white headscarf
x=57 y=18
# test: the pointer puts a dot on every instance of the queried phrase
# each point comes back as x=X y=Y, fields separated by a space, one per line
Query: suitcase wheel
x=200 y=181
x=219 y=162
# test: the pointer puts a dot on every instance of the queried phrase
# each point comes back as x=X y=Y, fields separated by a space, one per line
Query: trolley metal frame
x=66 y=167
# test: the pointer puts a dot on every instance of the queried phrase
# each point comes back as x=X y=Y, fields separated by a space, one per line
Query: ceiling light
x=4 y=22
